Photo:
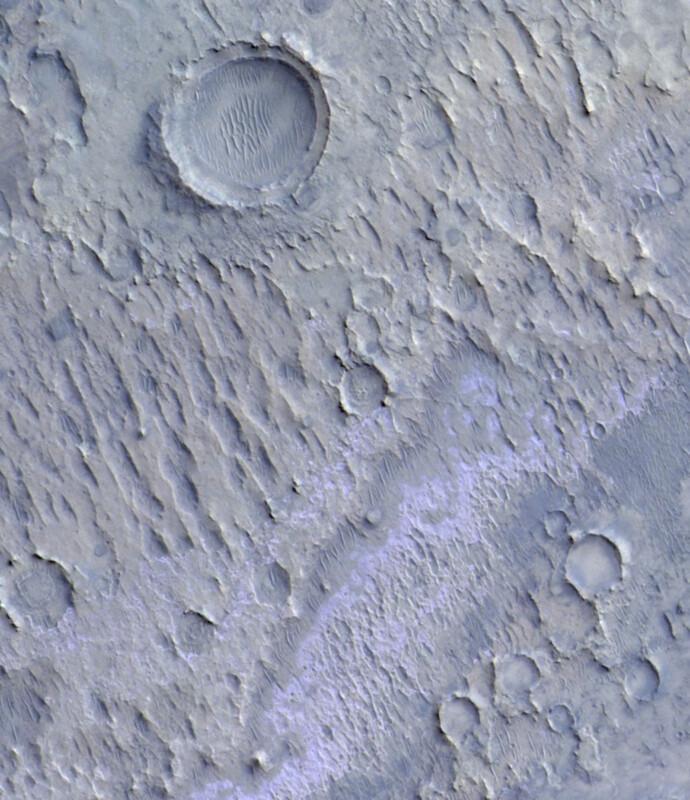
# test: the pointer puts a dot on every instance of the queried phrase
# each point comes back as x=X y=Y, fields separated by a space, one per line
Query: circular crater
x=44 y=593
x=560 y=718
x=247 y=126
x=593 y=565
x=642 y=680
x=194 y=633
x=516 y=674
x=363 y=390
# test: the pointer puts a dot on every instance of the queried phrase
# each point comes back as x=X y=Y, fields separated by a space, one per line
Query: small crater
x=194 y=633
x=523 y=211
x=598 y=431
x=458 y=717
x=248 y=125
x=317 y=6
x=556 y=524
x=516 y=675
x=363 y=390
x=593 y=565
x=383 y=85
x=642 y=680
x=44 y=593
x=452 y=237
x=539 y=277
x=272 y=584
x=670 y=186
x=123 y=263
x=560 y=718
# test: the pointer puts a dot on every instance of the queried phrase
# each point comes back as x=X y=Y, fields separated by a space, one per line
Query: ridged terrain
x=359 y=476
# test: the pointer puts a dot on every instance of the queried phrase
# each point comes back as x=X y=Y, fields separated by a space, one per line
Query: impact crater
x=458 y=717
x=363 y=390
x=593 y=565
x=642 y=680
x=247 y=126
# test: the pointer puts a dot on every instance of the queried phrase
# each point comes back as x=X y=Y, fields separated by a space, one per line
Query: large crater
x=247 y=125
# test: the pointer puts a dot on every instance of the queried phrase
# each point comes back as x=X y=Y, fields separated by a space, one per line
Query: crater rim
x=199 y=176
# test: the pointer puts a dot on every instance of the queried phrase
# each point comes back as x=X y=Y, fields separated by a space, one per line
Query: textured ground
x=379 y=488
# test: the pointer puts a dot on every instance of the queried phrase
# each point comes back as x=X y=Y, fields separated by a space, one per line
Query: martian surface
x=344 y=400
